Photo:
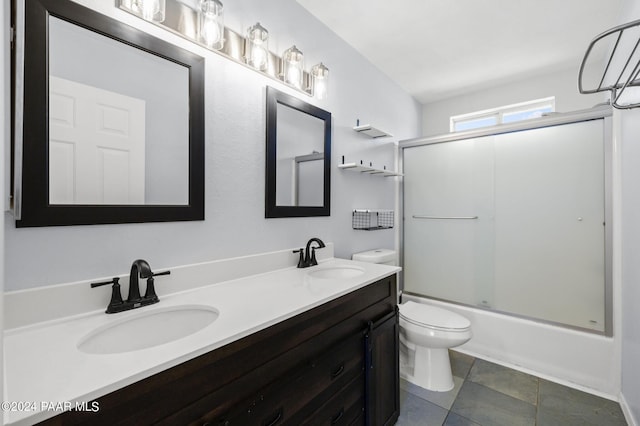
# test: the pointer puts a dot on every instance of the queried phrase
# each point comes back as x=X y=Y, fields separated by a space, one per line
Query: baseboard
x=626 y=410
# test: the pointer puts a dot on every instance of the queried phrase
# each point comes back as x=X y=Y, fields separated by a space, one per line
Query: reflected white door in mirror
x=97 y=145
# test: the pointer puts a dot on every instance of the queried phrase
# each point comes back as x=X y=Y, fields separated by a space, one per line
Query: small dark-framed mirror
x=298 y=160
x=112 y=122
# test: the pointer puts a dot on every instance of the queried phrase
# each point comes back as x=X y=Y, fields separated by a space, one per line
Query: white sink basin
x=148 y=329
x=336 y=272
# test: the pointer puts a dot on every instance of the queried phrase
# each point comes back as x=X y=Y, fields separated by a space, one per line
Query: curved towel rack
x=623 y=76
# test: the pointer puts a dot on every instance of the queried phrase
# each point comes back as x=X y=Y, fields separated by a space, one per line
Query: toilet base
x=431 y=369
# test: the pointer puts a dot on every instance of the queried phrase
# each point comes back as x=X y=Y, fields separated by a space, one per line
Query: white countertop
x=44 y=370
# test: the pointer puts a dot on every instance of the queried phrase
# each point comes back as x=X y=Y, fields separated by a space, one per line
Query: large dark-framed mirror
x=298 y=167
x=112 y=122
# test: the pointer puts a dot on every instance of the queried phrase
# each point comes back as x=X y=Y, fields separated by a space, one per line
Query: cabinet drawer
x=293 y=398
x=345 y=408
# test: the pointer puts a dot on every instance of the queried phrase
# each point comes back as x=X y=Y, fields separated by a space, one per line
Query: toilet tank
x=382 y=256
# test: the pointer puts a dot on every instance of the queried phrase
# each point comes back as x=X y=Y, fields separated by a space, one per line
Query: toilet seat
x=433 y=317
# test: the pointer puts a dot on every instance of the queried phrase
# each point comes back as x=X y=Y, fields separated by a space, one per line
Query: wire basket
x=370 y=220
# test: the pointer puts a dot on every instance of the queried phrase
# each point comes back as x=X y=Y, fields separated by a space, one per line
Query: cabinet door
x=382 y=378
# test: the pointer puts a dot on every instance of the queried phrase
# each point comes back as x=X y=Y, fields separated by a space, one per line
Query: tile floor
x=487 y=394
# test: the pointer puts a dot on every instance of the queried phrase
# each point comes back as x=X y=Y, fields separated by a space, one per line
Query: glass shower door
x=513 y=222
x=549 y=233
x=448 y=228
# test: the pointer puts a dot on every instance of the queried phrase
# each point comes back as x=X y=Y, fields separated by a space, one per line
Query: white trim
x=626 y=410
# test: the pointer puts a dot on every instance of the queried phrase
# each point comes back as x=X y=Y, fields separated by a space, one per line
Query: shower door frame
x=603 y=113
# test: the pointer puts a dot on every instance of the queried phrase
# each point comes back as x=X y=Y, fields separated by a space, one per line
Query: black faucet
x=139 y=269
x=142 y=269
x=308 y=257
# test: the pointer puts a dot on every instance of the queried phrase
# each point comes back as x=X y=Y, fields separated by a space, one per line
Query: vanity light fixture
x=320 y=81
x=292 y=66
x=257 y=47
x=150 y=10
x=211 y=24
x=202 y=22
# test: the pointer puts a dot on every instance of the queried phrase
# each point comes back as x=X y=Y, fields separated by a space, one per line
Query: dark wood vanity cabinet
x=336 y=364
x=381 y=350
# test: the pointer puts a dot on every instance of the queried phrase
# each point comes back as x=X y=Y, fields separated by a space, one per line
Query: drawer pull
x=338 y=371
x=277 y=418
x=337 y=417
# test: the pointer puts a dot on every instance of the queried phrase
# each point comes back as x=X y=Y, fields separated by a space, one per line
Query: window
x=504 y=114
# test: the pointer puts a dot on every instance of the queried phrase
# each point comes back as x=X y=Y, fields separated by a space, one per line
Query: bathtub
x=581 y=360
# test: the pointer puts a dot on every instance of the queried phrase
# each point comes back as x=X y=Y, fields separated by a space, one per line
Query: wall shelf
x=372 y=132
x=369 y=170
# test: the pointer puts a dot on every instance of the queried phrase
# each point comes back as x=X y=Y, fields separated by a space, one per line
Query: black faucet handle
x=114 y=281
x=116 y=296
x=313 y=261
x=301 y=262
x=150 y=295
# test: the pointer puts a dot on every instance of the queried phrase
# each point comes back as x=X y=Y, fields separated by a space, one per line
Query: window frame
x=499 y=112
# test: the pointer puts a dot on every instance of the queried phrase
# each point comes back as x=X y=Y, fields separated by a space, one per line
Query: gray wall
x=561 y=83
x=630 y=147
x=235 y=156
x=630 y=130
x=4 y=137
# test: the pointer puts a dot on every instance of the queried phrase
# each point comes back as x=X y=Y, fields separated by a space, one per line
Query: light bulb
x=320 y=75
x=211 y=23
x=210 y=33
x=257 y=47
x=150 y=10
x=259 y=57
x=320 y=89
x=292 y=62
x=295 y=77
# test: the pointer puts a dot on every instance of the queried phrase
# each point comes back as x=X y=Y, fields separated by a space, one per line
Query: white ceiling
x=435 y=49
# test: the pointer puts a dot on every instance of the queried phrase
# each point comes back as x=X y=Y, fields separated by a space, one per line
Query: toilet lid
x=432 y=316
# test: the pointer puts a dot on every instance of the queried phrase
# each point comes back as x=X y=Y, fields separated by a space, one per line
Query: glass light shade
x=150 y=10
x=293 y=66
x=320 y=76
x=211 y=23
x=257 y=47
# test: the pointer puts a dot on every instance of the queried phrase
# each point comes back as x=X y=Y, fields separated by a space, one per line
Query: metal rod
x=632 y=76
x=444 y=217
x=626 y=64
x=613 y=51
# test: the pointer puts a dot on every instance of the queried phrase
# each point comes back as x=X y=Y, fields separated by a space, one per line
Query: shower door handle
x=415 y=216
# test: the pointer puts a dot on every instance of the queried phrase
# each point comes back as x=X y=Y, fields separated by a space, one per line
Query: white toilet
x=426 y=334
